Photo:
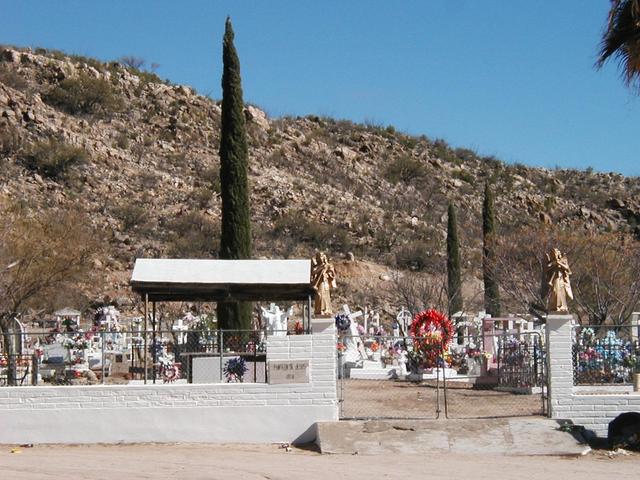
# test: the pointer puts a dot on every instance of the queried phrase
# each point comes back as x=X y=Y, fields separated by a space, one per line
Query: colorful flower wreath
x=432 y=332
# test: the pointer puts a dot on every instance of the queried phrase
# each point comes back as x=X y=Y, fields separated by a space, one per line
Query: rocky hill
x=140 y=155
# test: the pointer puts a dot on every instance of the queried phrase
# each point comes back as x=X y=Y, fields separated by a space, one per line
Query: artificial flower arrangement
x=432 y=333
x=343 y=322
x=77 y=342
x=235 y=369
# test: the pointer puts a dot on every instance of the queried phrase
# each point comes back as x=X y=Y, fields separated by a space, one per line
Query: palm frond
x=621 y=40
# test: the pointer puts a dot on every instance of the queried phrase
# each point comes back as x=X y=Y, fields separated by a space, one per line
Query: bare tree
x=519 y=264
x=39 y=252
x=421 y=291
x=605 y=278
x=132 y=62
x=604 y=272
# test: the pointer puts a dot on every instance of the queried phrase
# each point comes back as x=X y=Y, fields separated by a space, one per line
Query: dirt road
x=195 y=462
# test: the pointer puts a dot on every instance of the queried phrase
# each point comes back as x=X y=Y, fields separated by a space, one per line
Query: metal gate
x=481 y=376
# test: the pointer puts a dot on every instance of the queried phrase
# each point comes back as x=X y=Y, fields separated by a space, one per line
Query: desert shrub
x=177 y=159
x=148 y=179
x=464 y=175
x=492 y=162
x=81 y=59
x=405 y=169
x=443 y=151
x=304 y=230
x=202 y=196
x=84 y=95
x=131 y=215
x=10 y=140
x=414 y=256
x=193 y=235
x=53 y=158
x=11 y=78
x=122 y=140
x=409 y=142
x=210 y=178
x=291 y=223
x=384 y=240
x=279 y=159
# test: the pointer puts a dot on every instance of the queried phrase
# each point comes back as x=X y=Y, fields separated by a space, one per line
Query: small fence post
x=34 y=369
x=221 y=348
x=102 y=361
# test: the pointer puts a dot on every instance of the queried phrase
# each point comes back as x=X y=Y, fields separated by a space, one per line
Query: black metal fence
x=604 y=355
x=475 y=376
x=122 y=357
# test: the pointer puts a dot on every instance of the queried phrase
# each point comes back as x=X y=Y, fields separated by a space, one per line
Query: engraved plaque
x=288 y=371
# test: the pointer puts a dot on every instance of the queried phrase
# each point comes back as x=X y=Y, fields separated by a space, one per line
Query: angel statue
x=323 y=279
x=557 y=286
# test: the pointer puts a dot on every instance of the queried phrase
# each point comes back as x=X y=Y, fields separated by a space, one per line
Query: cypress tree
x=235 y=235
x=454 y=280
x=491 y=292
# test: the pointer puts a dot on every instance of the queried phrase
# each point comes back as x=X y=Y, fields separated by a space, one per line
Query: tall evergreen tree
x=235 y=235
x=454 y=280
x=491 y=292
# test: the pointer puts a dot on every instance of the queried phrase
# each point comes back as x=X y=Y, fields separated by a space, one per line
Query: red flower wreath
x=432 y=332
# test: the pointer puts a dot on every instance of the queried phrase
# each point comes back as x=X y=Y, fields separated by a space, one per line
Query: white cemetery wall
x=228 y=412
x=592 y=407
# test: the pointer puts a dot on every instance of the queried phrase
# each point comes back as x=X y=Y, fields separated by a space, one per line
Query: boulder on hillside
x=257 y=116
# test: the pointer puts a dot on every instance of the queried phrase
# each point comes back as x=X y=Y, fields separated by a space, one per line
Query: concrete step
x=506 y=436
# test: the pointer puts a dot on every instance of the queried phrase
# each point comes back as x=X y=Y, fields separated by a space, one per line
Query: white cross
x=180 y=327
x=352 y=316
x=404 y=318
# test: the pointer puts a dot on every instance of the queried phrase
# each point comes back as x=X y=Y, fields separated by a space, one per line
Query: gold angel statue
x=557 y=286
x=323 y=279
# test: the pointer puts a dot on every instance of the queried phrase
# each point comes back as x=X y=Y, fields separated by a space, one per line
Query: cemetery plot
x=485 y=374
x=605 y=355
x=392 y=399
x=109 y=355
x=496 y=375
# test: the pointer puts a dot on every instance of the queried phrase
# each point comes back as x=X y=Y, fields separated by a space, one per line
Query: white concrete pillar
x=559 y=361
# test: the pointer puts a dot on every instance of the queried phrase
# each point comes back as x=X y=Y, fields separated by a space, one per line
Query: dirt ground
x=400 y=399
x=194 y=462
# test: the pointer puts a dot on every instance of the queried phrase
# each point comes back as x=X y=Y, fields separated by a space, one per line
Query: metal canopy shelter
x=164 y=280
x=191 y=280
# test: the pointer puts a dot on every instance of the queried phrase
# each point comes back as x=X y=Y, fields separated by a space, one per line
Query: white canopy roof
x=215 y=280
x=67 y=312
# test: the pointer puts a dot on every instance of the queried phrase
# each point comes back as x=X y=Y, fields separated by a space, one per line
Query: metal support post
x=144 y=338
x=309 y=314
x=154 y=344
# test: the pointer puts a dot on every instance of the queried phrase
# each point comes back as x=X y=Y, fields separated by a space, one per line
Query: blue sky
x=511 y=78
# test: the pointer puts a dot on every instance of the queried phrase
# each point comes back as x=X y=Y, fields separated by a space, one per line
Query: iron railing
x=94 y=357
x=604 y=355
